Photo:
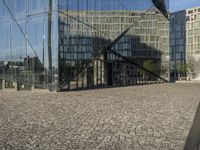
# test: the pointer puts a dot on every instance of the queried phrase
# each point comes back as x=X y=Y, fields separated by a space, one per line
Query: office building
x=177 y=44
x=185 y=43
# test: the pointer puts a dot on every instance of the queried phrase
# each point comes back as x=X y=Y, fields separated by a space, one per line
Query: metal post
x=49 y=45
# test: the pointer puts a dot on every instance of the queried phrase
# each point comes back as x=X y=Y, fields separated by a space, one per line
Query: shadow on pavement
x=193 y=139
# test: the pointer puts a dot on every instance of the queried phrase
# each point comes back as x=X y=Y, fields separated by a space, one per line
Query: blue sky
x=176 y=5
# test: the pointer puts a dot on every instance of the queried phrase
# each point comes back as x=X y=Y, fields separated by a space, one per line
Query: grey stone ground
x=138 y=117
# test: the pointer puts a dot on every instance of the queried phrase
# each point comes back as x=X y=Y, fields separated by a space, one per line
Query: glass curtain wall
x=28 y=51
x=88 y=27
x=68 y=44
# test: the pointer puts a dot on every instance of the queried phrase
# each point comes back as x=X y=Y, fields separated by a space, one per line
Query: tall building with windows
x=177 y=43
x=185 y=43
x=72 y=44
x=193 y=40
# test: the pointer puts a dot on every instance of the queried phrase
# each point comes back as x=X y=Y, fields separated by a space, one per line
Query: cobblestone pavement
x=137 y=117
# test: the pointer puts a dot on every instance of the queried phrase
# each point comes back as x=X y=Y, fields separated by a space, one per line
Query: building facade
x=62 y=44
x=148 y=39
x=185 y=43
x=177 y=44
x=26 y=58
x=193 y=40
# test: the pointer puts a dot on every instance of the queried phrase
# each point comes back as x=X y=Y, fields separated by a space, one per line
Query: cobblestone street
x=136 y=117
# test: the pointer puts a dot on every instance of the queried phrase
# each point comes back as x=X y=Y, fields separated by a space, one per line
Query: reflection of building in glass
x=185 y=41
x=152 y=29
x=65 y=44
x=24 y=43
x=177 y=43
x=193 y=39
x=147 y=39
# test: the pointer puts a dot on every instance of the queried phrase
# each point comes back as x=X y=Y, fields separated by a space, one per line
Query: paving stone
x=146 y=117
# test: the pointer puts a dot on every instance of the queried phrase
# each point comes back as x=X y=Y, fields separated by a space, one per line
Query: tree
x=151 y=66
x=184 y=69
x=163 y=69
x=181 y=69
x=189 y=67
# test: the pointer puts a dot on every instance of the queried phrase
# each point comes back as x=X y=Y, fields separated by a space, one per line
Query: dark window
x=190 y=12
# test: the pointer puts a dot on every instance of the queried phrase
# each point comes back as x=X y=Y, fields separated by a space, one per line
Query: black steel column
x=50 y=73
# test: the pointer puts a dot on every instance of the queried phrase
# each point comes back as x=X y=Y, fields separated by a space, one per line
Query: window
x=190 y=33
x=181 y=49
x=199 y=47
x=191 y=47
x=178 y=27
x=19 y=39
x=178 y=35
x=172 y=42
x=20 y=5
x=190 y=40
x=36 y=4
x=197 y=24
x=36 y=32
x=197 y=31
x=181 y=41
x=5 y=37
x=190 y=12
x=187 y=47
x=2 y=9
x=178 y=56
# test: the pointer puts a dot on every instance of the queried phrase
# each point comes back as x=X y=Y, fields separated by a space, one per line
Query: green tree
x=181 y=69
x=151 y=66
x=189 y=67
x=184 y=68
x=163 y=69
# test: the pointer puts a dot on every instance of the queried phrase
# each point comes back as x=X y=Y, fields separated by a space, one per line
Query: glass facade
x=25 y=56
x=68 y=44
x=177 y=44
x=193 y=41
x=185 y=44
